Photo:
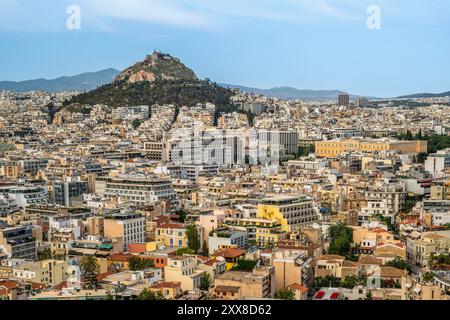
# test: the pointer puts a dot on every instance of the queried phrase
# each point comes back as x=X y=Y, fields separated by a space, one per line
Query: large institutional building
x=335 y=148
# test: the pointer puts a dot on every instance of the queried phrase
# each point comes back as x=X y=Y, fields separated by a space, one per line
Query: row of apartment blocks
x=216 y=146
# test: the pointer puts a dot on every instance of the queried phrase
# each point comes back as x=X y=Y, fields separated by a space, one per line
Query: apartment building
x=286 y=140
x=385 y=199
x=17 y=241
x=65 y=192
x=419 y=251
x=7 y=205
x=336 y=266
x=436 y=212
x=139 y=190
x=184 y=269
x=171 y=234
x=237 y=285
x=366 y=240
x=26 y=195
x=128 y=226
x=292 y=267
x=48 y=272
x=440 y=190
x=438 y=163
x=224 y=239
x=291 y=212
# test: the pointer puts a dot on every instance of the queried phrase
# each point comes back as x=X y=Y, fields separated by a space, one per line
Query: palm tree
x=206 y=282
x=89 y=266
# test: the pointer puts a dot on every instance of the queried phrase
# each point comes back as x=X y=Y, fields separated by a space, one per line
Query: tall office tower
x=344 y=99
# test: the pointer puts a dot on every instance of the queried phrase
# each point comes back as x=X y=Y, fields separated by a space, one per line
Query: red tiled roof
x=137 y=247
x=210 y=262
x=399 y=245
x=230 y=253
x=296 y=286
x=171 y=225
x=9 y=284
x=162 y=285
x=61 y=286
x=103 y=276
x=121 y=257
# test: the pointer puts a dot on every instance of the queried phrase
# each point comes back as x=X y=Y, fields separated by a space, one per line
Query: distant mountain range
x=148 y=70
x=426 y=95
x=82 y=82
x=290 y=93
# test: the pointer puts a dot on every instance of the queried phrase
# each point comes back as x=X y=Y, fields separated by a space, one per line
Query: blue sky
x=308 y=44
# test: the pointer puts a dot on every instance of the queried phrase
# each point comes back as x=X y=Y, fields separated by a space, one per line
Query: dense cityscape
x=270 y=199
x=203 y=159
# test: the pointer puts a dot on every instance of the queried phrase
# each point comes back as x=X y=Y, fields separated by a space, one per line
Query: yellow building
x=171 y=234
x=170 y=290
x=334 y=148
x=48 y=272
x=183 y=269
x=262 y=231
x=231 y=256
x=291 y=212
x=440 y=191
x=119 y=261
x=429 y=243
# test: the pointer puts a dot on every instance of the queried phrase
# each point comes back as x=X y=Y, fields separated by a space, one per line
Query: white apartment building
x=438 y=162
x=138 y=189
x=26 y=195
x=226 y=239
x=7 y=205
x=386 y=200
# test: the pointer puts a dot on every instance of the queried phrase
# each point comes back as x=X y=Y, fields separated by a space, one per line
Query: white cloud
x=212 y=14
x=156 y=11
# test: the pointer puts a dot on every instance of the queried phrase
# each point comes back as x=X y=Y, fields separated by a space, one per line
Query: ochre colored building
x=334 y=148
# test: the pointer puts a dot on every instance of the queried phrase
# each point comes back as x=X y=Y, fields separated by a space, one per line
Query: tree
x=150 y=295
x=341 y=238
x=206 y=282
x=244 y=265
x=350 y=282
x=45 y=255
x=341 y=246
x=136 y=123
x=205 y=249
x=193 y=238
x=89 y=266
x=285 y=294
x=428 y=276
x=181 y=215
x=182 y=251
x=399 y=264
x=421 y=157
x=327 y=281
x=136 y=264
